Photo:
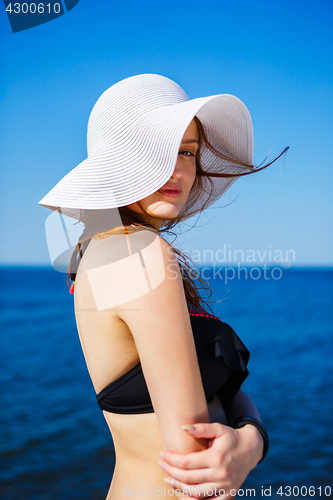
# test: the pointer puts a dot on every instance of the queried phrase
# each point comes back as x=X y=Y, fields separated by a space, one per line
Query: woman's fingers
x=189 y=476
x=208 y=431
x=197 y=460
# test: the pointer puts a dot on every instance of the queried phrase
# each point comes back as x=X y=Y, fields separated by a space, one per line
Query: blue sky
x=275 y=56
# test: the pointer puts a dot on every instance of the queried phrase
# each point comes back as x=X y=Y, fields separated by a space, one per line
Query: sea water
x=54 y=442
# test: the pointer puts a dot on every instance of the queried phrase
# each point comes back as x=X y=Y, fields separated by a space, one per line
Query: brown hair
x=102 y=223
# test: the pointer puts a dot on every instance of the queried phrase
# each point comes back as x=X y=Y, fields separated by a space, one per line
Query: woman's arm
x=161 y=328
x=231 y=455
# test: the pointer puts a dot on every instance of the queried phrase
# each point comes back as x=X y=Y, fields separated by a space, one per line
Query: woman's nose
x=177 y=173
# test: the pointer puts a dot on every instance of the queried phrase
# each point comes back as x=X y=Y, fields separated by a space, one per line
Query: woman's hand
x=218 y=470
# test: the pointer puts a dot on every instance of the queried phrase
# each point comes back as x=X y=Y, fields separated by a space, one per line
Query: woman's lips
x=171 y=193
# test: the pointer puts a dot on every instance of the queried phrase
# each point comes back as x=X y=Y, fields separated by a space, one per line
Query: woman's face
x=168 y=201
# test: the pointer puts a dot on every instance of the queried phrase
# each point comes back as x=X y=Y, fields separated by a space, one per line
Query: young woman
x=163 y=366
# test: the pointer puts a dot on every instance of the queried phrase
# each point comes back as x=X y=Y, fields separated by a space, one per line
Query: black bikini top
x=222 y=358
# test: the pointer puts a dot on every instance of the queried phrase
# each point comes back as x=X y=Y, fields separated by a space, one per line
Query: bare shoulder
x=124 y=266
x=114 y=247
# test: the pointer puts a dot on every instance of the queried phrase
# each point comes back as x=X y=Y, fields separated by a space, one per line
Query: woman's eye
x=186 y=153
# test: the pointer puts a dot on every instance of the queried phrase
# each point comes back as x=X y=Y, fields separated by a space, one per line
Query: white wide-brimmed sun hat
x=134 y=134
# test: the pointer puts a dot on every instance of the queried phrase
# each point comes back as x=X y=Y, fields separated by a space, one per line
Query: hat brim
x=144 y=159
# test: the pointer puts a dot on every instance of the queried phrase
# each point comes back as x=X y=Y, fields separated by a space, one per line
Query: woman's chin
x=166 y=214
